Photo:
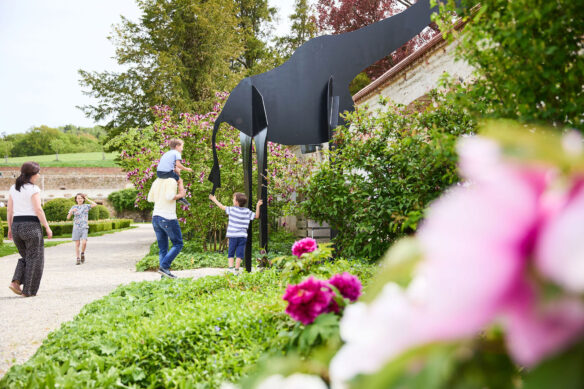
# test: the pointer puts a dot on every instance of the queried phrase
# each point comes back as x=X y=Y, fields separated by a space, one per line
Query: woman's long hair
x=27 y=170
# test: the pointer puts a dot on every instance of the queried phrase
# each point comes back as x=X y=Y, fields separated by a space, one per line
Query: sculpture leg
x=247 y=179
x=262 y=157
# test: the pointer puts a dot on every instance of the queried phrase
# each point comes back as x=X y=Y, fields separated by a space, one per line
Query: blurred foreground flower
x=294 y=381
x=491 y=252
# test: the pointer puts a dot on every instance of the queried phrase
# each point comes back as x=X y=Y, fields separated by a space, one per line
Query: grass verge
x=96 y=159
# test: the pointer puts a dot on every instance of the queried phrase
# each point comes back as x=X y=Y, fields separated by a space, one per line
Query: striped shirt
x=239 y=218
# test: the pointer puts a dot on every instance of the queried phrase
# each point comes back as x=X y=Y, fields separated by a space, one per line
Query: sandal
x=82 y=257
x=15 y=290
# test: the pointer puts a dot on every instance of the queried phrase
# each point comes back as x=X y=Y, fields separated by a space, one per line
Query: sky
x=43 y=44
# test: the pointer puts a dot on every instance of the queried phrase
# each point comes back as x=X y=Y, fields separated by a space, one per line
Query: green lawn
x=66 y=160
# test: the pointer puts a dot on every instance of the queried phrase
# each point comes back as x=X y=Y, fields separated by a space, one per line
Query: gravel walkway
x=66 y=288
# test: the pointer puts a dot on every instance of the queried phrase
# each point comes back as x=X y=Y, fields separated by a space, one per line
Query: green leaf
x=564 y=371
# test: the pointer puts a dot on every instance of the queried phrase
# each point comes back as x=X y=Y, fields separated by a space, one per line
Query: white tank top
x=21 y=200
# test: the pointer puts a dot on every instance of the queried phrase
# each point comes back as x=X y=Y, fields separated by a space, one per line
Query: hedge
x=57 y=209
x=123 y=200
x=99 y=213
x=66 y=228
x=3 y=211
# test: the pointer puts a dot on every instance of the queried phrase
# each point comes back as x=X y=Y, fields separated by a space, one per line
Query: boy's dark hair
x=175 y=142
x=240 y=198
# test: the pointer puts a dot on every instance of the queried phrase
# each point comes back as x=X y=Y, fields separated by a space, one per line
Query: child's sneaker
x=82 y=257
x=184 y=201
x=78 y=261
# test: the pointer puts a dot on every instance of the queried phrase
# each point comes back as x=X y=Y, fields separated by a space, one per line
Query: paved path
x=66 y=288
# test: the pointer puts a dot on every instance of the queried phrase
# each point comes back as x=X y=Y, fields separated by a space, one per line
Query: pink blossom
x=480 y=243
x=347 y=284
x=308 y=299
x=488 y=247
x=306 y=245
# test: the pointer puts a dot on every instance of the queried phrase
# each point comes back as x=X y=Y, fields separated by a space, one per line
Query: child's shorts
x=79 y=233
x=236 y=247
x=171 y=174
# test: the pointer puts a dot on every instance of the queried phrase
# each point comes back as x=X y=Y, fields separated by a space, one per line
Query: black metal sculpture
x=299 y=102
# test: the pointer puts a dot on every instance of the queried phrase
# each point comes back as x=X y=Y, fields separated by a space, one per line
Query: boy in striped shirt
x=239 y=218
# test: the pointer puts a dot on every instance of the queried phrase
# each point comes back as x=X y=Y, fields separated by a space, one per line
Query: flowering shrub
x=303 y=262
x=306 y=245
x=141 y=150
x=387 y=167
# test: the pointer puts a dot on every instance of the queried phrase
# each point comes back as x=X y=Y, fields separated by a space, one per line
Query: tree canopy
x=178 y=54
x=339 y=16
x=529 y=65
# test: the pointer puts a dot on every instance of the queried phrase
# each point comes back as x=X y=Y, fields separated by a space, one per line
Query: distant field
x=66 y=160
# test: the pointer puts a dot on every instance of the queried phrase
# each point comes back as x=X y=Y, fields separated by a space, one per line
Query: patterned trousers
x=28 y=239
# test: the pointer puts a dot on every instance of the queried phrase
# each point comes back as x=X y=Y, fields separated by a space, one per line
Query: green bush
x=99 y=212
x=66 y=228
x=3 y=211
x=528 y=68
x=57 y=209
x=170 y=333
x=386 y=168
x=1 y=232
x=123 y=200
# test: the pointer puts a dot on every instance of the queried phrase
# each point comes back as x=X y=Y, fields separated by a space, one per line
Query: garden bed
x=169 y=333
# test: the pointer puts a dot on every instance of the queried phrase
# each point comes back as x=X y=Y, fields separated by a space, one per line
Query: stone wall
x=417 y=78
x=98 y=183
x=418 y=73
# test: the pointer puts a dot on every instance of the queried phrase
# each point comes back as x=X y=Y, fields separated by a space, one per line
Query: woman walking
x=80 y=224
x=25 y=216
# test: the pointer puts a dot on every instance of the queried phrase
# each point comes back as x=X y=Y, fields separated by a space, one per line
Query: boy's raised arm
x=214 y=199
x=258 y=205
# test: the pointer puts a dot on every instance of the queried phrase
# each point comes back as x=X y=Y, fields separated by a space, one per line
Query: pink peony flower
x=349 y=285
x=307 y=300
x=306 y=245
x=482 y=246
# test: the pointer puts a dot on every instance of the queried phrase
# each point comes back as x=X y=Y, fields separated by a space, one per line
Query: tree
x=37 y=141
x=58 y=145
x=303 y=28
x=178 y=54
x=34 y=142
x=254 y=18
x=5 y=148
x=339 y=16
x=529 y=65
